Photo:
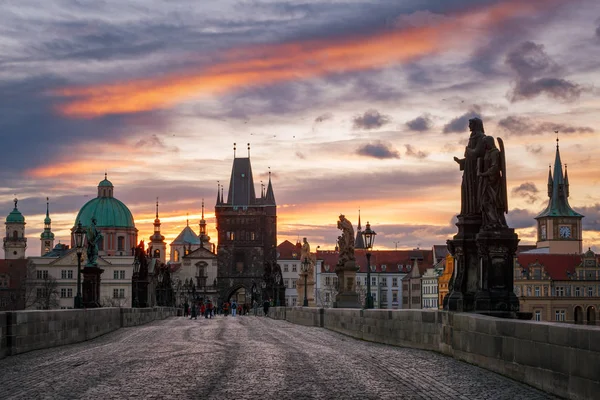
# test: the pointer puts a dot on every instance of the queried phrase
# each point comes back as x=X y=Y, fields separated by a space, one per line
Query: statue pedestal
x=91 y=286
x=496 y=250
x=347 y=296
x=465 y=281
x=310 y=290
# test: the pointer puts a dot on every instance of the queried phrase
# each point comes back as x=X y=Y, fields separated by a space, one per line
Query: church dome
x=108 y=211
x=15 y=216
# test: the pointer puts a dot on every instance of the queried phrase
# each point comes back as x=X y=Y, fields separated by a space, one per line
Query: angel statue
x=491 y=187
x=93 y=239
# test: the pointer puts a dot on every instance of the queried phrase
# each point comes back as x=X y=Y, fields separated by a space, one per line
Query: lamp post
x=305 y=265
x=136 y=272
x=79 y=235
x=278 y=282
x=368 y=239
x=263 y=285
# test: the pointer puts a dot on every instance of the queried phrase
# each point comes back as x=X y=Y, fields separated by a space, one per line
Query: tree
x=39 y=293
x=119 y=302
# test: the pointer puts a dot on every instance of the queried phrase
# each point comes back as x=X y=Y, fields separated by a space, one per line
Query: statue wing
x=503 y=175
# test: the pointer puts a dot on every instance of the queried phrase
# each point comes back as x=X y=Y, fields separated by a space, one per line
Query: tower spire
x=359 y=227
x=187 y=221
x=550 y=180
x=270 y=196
x=248 y=150
x=157 y=208
x=566 y=182
x=234 y=148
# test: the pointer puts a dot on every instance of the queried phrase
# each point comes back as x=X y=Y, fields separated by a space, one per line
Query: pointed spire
x=157 y=208
x=48 y=206
x=248 y=150
x=270 y=196
x=218 y=192
x=359 y=227
x=566 y=182
x=359 y=242
x=549 y=180
x=234 y=148
x=187 y=221
x=202 y=224
x=203 y=208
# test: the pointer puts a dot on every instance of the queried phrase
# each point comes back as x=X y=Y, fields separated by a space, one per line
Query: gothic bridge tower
x=247 y=229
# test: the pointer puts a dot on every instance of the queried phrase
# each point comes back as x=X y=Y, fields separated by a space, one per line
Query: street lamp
x=79 y=235
x=136 y=272
x=305 y=266
x=368 y=239
x=278 y=282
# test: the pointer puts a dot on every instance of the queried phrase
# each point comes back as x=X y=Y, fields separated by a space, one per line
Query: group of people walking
x=208 y=310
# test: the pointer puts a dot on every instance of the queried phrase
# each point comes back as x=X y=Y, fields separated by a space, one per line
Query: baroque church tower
x=158 y=246
x=247 y=229
x=47 y=237
x=559 y=226
x=15 y=242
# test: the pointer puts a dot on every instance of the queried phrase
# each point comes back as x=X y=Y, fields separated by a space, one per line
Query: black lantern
x=368 y=238
x=79 y=236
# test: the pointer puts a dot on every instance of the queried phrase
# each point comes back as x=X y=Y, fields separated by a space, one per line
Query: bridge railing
x=561 y=359
x=23 y=331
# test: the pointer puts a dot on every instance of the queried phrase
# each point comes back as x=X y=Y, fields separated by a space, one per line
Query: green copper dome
x=108 y=211
x=105 y=183
x=15 y=216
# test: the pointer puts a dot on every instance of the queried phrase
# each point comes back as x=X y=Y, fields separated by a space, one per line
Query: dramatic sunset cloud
x=291 y=61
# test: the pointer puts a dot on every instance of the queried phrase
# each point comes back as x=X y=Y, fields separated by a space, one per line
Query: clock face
x=564 y=232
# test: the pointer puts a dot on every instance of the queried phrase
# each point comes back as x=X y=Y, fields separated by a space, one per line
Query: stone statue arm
x=461 y=163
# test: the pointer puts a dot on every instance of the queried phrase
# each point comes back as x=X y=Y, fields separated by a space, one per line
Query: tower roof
x=187 y=236
x=241 y=184
x=15 y=216
x=270 y=196
x=359 y=243
x=558 y=205
x=105 y=182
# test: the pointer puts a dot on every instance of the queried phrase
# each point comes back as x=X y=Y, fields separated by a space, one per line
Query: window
x=285 y=268
x=537 y=291
x=560 y=291
x=395 y=282
x=294 y=268
x=384 y=281
x=69 y=292
x=394 y=297
x=528 y=290
x=122 y=274
x=66 y=292
x=118 y=293
x=373 y=281
x=577 y=292
x=39 y=293
x=293 y=283
x=42 y=274
x=294 y=300
x=63 y=274
x=115 y=274
x=122 y=293
x=327 y=297
x=590 y=291
x=176 y=256
x=252 y=236
x=285 y=283
x=120 y=243
x=537 y=316
x=327 y=280
x=374 y=296
x=559 y=315
x=115 y=293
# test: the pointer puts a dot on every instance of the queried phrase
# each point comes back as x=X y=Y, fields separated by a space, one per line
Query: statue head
x=489 y=142
x=342 y=217
x=476 y=125
x=304 y=240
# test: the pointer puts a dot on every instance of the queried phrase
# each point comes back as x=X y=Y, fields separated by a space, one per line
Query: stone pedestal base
x=496 y=250
x=347 y=296
x=91 y=286
x=310 y=291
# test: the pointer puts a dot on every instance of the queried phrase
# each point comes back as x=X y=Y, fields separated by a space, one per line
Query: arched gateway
x=247 y=228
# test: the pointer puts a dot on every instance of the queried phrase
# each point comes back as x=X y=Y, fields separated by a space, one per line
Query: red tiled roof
x=16 y=269
x=289 y=251
x=390 y=258
x=556 y=265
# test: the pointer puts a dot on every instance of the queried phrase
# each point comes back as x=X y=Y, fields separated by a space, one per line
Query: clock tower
x=559 y=226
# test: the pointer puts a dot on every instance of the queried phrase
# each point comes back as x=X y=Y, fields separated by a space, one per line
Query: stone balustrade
x=23 y=331
x=561 y=359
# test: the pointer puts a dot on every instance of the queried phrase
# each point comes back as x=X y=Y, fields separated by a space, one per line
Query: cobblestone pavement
x=245 y=358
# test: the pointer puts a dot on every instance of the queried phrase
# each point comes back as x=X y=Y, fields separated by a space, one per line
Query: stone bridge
x=158 y=356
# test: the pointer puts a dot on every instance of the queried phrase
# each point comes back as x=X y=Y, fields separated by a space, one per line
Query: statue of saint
x=474 y=150
x=305 y=255
x=491 y=190
x=93 y=239
x=346 y=240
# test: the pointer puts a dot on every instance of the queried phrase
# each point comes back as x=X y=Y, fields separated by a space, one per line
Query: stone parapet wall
x=23 y=331
x=558 y=358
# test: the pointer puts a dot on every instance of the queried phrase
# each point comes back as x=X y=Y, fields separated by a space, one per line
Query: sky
x=350 y=104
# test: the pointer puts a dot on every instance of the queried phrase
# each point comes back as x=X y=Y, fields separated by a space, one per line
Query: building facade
x=559 y=287
x=288 y=258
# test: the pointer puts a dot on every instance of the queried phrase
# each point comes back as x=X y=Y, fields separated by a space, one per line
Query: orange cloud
x=284 y=62
x=78 y=167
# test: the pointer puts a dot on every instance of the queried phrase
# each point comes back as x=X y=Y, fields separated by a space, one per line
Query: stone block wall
x=23 y=331
x=558 y=358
